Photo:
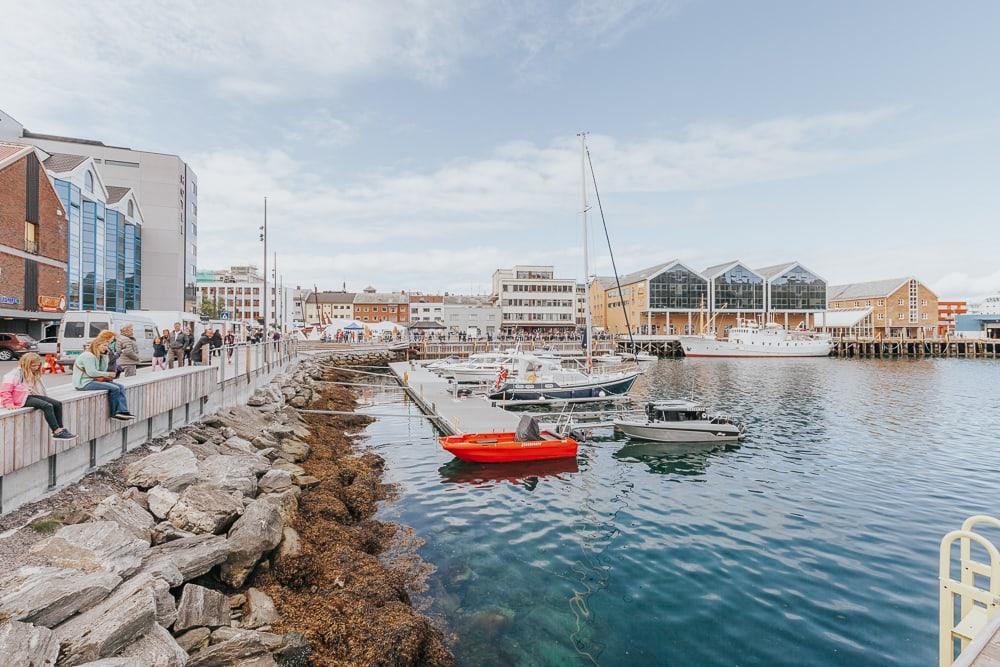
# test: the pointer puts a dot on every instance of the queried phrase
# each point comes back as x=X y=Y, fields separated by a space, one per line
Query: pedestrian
x=189 y=343
x=176 y=342
x=23 y=388
x=200 y=348
x=230 y=342
x=160 y=350
x=128 y=351
x=216 y=343
x=90 y=373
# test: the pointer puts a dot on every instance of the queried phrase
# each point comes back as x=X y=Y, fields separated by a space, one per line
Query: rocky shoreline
x=246 y=538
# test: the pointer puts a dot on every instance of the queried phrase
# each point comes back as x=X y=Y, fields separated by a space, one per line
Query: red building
x=372 y=306
x=947 y=310
x=33 y=244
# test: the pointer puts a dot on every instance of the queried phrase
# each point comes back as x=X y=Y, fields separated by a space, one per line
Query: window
x=923 y=316
x=923 y=302
x=31 y=237
x=881 y=316
x=97 y=327
x=900 y=302
x=73 y=330
x=88 y=181
x=131 y=209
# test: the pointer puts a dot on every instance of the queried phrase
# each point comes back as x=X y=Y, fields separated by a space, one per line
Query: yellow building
x=884 y=308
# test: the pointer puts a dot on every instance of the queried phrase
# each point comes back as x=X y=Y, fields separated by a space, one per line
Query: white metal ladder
x=977 y=605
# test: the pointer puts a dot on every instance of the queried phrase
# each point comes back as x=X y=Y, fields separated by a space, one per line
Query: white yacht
x=480 y=367
x=678 y=421
x=748 y=339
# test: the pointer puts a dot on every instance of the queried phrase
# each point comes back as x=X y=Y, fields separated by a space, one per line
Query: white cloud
x=961 y=285
x=490 y=208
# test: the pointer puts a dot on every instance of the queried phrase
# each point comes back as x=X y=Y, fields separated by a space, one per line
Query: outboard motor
x=527 y=430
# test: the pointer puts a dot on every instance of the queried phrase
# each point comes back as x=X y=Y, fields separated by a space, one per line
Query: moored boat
x=747 y=339
x=504 y=447
x=679 y=421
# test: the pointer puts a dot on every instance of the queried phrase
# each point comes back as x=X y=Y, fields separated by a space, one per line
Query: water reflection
x=674 y=458
x=527 y=473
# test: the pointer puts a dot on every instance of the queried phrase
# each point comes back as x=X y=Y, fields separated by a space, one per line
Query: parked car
x=49 y=345
x=80 y=327
x=13 y=345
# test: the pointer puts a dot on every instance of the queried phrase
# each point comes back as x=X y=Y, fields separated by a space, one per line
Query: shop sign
x=9 y=300
x=52 y=304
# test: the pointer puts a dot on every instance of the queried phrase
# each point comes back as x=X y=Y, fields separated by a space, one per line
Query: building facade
x=33 y=250
x=900 y=306
x=237 y=294
x=532 y=300
x=464 y=313
x=947 y=312
x=426 y=308
x=105 y=236
x=372 y=306
x=322 y=308
x=674 y=299
x=166 y=189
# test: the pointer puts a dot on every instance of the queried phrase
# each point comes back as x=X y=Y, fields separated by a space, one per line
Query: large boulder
x=194 y=639
x=290 y=547
x=25 y=645
x=201 y=607
x=232 y=473
x=203 y=508
x=174 y=468
x=106 y=628
x=104 y=545
x=260 y=610
x=128 y=514
x=294 y=450
x=254 y=534
x=156 y=647
x=275 y=481
x=243 y=647
x=192 y=556
x=161 y=500
x=47 y=596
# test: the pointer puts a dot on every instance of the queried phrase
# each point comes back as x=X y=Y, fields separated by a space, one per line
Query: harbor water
x=814 y=541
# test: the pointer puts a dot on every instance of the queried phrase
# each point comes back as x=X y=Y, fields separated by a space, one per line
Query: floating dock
x=455 y=416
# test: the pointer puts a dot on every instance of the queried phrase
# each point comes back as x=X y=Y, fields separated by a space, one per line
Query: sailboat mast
x=586 y=256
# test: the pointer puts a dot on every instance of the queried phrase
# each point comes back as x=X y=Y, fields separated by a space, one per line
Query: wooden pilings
x=917 y=348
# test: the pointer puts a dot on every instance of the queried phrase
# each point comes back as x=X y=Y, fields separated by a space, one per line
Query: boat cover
x=527 y=430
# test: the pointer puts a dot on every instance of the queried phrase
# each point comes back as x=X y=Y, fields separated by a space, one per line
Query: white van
x=165 y=319
x=79 y=327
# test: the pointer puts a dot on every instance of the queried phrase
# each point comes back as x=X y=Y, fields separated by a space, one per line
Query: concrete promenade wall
x=32 y=464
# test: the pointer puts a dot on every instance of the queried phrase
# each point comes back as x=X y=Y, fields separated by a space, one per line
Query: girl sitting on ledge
x=90 y=373
x=22 y=388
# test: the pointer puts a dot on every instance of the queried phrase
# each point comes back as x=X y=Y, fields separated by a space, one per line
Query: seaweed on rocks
x=351 y=605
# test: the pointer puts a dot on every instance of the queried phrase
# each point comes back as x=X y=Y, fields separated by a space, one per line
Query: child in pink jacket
x=22 y=388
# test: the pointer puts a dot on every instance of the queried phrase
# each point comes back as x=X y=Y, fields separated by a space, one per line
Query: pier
x=916 y=348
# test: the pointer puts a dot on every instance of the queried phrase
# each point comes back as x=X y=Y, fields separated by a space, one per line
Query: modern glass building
x=104 y=269
x=735 y=288
x=793 y=288
x=678 y=288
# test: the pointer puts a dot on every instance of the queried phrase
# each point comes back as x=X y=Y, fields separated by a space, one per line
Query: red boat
x=505 y=447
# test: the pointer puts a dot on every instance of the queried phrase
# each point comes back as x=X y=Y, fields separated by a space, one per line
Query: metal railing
x=976 y=604
x=248 y=359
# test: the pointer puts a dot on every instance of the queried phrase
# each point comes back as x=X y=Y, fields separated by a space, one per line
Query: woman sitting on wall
x=90 y=373
x=22 y=388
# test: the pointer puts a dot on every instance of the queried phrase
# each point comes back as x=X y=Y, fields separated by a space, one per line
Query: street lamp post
x=263 y=238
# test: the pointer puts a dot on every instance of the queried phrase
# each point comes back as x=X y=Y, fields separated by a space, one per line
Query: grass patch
x=46 y=526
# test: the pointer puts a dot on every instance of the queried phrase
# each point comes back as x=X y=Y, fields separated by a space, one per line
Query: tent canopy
x=841 y=319
x=333 y=327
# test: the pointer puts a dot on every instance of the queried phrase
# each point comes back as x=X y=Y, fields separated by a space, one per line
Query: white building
x=237 y=293
x=165 y=188
x=533 y=300
x=461 y=313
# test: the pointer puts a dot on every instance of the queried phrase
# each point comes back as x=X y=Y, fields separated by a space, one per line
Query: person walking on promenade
x=216 y=343
x=90 y=373
x=230 y=341
x=160 y=351
x=128 y=351
x=23 y=388
x=189 y=345
x=199 y=347
x=176 y=342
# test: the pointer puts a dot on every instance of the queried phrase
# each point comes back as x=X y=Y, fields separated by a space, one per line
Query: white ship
x=748 y=339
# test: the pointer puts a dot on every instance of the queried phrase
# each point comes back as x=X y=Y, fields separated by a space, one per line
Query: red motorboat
x=506 y=447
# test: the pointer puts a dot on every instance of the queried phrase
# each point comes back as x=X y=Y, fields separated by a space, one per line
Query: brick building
x=372 y=306
x=33 y=249
x=888 y=308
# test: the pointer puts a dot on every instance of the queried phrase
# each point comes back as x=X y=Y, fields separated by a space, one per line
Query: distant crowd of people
x=108 y=357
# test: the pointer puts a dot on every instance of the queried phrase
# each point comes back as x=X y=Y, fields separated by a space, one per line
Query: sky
x=420 y=145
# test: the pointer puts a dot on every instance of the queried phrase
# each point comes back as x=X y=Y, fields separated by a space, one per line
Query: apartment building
x=237 y=294
x=426 y=307
x=463 y=313
x=322 y=308
x=947 y=312
x=532 y=300
x=165 y=188
x=888 y=308
x=33 y=250
x=373 y=306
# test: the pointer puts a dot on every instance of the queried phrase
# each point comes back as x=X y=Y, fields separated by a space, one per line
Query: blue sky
x=421 y=145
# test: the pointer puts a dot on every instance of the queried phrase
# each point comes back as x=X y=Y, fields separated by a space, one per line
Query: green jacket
x=88 y=367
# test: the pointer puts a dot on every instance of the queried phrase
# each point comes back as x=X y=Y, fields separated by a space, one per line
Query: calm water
x=812 y=542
